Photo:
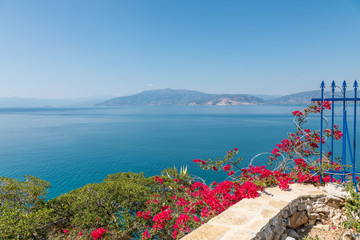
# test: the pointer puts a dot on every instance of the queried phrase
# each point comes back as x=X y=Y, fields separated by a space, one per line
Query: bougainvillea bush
x=186 y=206
x=167 y=206
x=295 y=159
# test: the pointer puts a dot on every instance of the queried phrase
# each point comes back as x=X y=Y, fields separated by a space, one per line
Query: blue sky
x=69 y=49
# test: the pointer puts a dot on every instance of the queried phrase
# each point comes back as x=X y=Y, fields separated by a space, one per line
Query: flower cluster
x=71 y=234
x=98 y=233
x=180 y=208
x=160 y=180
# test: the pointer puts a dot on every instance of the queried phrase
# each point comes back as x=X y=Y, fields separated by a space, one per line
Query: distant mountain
x=302 y=98
x=170 y=97
x=265 y=97
x=181 y=97
x=15 y=102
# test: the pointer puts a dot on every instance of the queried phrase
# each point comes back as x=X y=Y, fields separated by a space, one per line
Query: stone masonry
x=276 y=214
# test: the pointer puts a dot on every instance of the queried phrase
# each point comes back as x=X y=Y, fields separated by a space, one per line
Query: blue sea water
x=70 y=147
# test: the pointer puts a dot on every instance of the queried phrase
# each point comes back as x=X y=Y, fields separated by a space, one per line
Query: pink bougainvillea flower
x=297 y=113
x=146 y=234
x=227 y=167
x=98 y=233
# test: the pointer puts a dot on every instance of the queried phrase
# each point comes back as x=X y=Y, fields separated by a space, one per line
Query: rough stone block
x=336 y=190
x=285 y=213
x=314 y=216
x=301 y=207
x=333 y=201
x=312 y=221
x=292 y=233
x=292 y=209
x=298 y=219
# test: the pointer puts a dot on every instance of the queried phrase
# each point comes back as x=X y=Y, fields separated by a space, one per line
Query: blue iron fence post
x=354 y=136
x=332 y=123
x=321 y=124
x=343 y=160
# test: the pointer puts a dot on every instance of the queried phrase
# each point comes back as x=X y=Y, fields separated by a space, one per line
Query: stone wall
x=270 y=216
x=300 y=215
x=276 y=214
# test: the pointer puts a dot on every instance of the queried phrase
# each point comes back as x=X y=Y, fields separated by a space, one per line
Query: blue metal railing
x=346 y=136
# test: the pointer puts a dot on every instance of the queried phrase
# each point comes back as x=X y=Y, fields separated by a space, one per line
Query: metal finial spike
x=355 y=84
x=344 y=84
x=322 y=85
x=333 y=87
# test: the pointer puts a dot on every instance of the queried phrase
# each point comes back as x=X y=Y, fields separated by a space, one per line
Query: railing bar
x=349 y=143
x=353 y=164
x=340 y=172
x=332 y=124
x=343 y=160
x=321 y=125
x=336 y=99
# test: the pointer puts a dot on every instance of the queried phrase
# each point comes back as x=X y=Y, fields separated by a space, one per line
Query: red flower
x=231 y=173
x=196 y=219
x=146 y=234
x=275 y=152
x=160 y=180
x=300 y=162
x=98 y=233
x=175 y=234
x=227 y=167
x=297 y=113
x=327 y=179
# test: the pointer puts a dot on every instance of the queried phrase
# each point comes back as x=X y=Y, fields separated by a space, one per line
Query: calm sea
x=70 y=147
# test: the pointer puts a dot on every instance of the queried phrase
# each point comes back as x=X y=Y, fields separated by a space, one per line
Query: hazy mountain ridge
x=188 y=97
x=170 y=97
x=302 y=98
x=16 y=102
x=181 y=97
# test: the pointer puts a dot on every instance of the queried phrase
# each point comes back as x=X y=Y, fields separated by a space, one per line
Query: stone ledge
x=247 y=218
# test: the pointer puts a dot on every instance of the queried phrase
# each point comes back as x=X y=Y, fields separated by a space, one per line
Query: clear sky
x=79 y=48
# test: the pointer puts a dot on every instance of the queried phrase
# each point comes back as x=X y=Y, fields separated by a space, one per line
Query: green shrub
x=22 y=207
x=352 y=207
x=111 y=204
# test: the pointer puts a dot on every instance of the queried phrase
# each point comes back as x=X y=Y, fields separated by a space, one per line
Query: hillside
x=170 y=97
x=17 y=102
x=302 y=98
x=181 y=97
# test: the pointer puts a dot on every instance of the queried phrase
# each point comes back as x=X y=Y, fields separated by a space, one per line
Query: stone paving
x=244 y=220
